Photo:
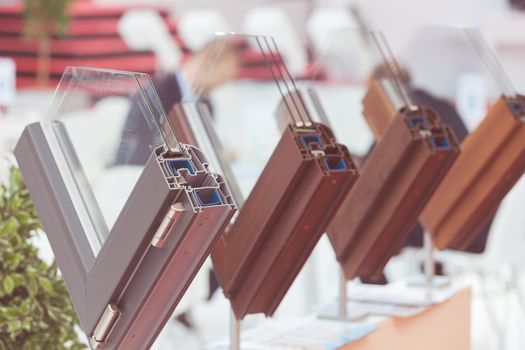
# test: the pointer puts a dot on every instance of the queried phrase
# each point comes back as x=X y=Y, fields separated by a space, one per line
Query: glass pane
x=242 y=80
x=339 y=79
x=453 y=66
x=103 y=125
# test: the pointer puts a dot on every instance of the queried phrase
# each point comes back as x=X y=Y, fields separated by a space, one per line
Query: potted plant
x=43 y=19
x=35 y=309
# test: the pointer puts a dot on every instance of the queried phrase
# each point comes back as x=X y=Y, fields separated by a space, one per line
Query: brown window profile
x=398 y=178
x=413 y=152
x=281 y=221
x=492 y=157
x=290 y=205
x=491 y=162
x=378 y=108
x=284 y=216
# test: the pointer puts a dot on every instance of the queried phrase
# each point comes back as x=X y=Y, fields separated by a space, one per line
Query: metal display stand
x=235 y=332
x=429 y=278
x=429 y=263
x=343 y=290
x=342 y=313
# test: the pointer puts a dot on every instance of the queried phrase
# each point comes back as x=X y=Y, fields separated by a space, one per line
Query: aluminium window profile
x=144 y=266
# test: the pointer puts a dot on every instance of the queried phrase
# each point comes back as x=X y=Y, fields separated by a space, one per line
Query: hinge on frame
x=174 y=213
x=105 y=325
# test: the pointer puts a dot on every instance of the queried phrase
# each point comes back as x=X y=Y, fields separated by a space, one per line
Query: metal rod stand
x=341 y=313
x=235 y=332
x=430 y=263
x=429 y=278
x=343 y=304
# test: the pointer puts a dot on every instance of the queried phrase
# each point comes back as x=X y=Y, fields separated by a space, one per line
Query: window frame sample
x=491 y=162
x=127 y=292
x=290 y=205
x=282 y=220
x=401 y=173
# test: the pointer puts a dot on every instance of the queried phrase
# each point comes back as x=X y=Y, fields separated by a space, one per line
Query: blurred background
x=38 y=41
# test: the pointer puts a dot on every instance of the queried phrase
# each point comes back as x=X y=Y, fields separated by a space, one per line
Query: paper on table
x=359 y=310
x=398 y=294
x=300 y=334
x=397 y=300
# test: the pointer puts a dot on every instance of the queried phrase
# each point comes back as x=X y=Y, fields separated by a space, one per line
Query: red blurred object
x=255 y=66
x=92 y=40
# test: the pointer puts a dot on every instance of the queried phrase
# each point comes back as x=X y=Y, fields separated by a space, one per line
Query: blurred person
x=517 y=4
x=419 y=96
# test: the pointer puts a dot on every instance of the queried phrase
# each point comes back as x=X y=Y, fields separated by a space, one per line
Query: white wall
x=400 y=18
x=395 y=15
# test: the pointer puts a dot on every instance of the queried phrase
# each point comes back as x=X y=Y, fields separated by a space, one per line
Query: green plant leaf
x=25 y=307
x=9 y=227
x=18 y=278
x=10 y=312
x=32 y=286
x=46 y=284
x=9 y=284
x=14 y=261
x=35 y=309
x=26 y=324
x=14 y=326
x=31 y=271
x=78 y=346
x=24 y=218
x=52 y=314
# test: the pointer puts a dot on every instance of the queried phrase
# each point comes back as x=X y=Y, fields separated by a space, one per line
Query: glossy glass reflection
x=104 y=126
x=452 y=65
x=340 y=77
x=243 y=92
